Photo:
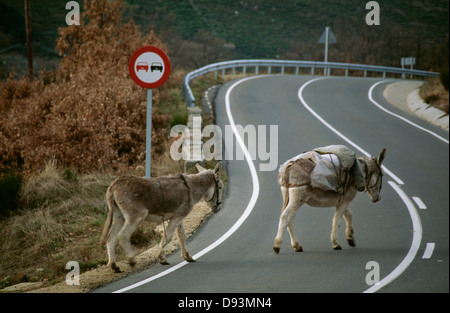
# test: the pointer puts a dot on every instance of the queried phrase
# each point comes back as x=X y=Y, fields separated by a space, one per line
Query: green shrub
x=179 y=118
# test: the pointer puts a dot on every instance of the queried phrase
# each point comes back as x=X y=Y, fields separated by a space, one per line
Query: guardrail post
x=346 y=72
x=282 y=70
x=296 y=70
x=312 y=70
x=257 y=70
x=269 y=69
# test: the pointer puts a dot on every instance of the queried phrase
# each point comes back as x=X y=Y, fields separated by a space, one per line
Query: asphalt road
x=395 y=233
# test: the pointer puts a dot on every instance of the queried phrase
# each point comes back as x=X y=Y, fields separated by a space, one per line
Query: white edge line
x=401 y=117
x=243 y=217
x=367 y=154
x=415 y=244
x=419 y=203
x=428 y=250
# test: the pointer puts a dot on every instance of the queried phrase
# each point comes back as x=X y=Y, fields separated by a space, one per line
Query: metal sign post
x=327 y=37
x=148 y=135
x=149 y=68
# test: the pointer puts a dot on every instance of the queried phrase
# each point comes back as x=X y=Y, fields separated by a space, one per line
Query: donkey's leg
x=348 y=217
x=167 y=237
x=181 y=234
x=117 y=224
x=294 y=243
x=335 y=225
x=130 y=225
x=286 y=218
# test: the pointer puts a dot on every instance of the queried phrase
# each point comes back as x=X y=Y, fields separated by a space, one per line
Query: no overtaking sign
x=149 y=68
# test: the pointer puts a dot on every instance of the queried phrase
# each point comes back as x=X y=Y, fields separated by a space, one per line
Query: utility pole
x=28 y=31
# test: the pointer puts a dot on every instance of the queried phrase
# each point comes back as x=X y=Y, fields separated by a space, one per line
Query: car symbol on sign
x=142 y=66
x=156 y=66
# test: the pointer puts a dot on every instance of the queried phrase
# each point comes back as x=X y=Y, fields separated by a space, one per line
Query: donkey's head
x=214 y=193
x=374 y=176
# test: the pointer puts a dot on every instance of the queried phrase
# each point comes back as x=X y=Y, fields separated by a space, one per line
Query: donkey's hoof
x=163 y=262
x=132 y=262
x=297 y=247
x=276 y=249
x=337 y=247
x=115 y=268
x=189 y=259
x=351 y=242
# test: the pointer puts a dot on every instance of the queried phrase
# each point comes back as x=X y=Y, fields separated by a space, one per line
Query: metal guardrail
x=244 y=65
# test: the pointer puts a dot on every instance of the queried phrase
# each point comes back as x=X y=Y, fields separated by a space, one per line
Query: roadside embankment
x=405 y=95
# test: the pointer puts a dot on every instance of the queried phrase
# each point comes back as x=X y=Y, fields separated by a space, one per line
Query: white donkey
x=295 y=195
x=133 y=199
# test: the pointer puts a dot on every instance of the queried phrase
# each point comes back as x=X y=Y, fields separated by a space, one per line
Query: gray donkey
x=171 y=198
x=296 y=190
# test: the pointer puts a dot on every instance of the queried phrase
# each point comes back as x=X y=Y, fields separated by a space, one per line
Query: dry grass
x=434 y=93
x=61 y=219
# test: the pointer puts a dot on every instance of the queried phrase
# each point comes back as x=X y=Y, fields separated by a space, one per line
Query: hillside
x=273 y=28
x=203 y=31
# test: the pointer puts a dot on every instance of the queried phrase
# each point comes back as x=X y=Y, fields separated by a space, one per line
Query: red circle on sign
x=133 y=71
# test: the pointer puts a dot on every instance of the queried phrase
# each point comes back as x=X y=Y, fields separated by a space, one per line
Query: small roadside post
x=149 y=68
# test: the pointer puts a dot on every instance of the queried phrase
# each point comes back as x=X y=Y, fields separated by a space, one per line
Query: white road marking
x=419 y=203
x=417 y=225
x=428 y=250
x=248 y=210
x=415 y=244
x=401 y=117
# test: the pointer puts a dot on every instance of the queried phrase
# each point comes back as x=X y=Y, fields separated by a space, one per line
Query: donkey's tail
x=285 y=193
x=108 y=223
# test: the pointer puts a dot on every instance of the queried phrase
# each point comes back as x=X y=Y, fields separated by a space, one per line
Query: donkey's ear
x=217 y=170
x=381 y=156
x=200 y=168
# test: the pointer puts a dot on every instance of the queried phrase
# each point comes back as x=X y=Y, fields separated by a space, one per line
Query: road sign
x=149 y=67
x=323 y=37
x=408 y=61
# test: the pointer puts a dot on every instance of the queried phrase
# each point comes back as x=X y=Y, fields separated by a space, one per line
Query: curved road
x=405 y=234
